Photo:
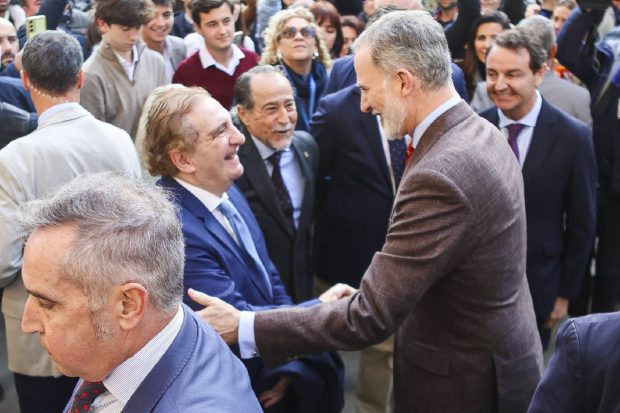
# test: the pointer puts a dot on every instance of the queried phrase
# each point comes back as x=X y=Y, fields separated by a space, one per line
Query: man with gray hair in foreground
x=450 y=279
x=68 y=142
x=103 y=267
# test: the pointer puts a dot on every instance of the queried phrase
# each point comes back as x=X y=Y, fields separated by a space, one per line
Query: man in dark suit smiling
x=280 y=168
x=559 y=174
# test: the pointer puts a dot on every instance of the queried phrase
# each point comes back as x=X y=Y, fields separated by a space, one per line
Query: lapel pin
x=306 y=154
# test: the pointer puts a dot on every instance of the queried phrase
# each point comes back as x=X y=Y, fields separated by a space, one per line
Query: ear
x=25 y=79
x=407 y=83
x=130 y=305
x=553 y=52
x=80 y=80
x=243 y=114
x=539 y=74
x=102 y=26
x=182 y=161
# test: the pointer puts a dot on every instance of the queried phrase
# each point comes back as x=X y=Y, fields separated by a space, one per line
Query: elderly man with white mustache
x=281 y=196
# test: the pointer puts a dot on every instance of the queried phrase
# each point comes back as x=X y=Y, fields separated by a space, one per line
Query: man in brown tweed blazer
x=450 y=279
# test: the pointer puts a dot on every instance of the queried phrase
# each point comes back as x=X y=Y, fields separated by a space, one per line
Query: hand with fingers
x=223 y=317
x=271 y=397
x=336 y=292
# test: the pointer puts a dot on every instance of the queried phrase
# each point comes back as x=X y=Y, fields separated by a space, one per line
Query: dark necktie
x=86 y=395
x=244 y=237
x=398 y=152
x=280 y=187
x=514 y=129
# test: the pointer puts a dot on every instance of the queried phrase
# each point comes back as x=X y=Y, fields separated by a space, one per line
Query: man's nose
x=30 y=323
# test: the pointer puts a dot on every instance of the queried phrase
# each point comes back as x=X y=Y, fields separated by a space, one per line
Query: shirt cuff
x=247 y=343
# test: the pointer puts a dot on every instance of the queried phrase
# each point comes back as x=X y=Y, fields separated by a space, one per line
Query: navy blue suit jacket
x=583 y=374
x=343 y=75
x=198 y=373
x=181 y=26
x=354 y=188
x=12 y=91
x=216 y=265
x=559 y=177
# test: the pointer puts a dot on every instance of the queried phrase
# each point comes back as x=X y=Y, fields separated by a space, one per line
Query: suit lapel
x=543 y=139
x=302 y=156
x=167 y=369
x=256 y=173
x=438 y=128
x=197 y=208
x=213 y=226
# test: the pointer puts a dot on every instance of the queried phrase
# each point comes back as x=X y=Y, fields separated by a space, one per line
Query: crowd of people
x=437 y=185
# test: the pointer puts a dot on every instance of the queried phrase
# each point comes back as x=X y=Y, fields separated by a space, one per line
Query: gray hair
x=53 y=61
x=410 y=40
x=127 y=231
x=542 y=28
x=243 y=87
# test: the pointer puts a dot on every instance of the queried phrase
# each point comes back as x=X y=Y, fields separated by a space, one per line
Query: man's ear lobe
x=181 y=161
x=130 y=305
x=408 y=83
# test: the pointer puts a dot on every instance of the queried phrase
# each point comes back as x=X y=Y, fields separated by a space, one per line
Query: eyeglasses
x=307 y=32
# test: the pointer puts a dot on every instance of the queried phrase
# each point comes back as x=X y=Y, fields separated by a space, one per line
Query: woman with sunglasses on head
x=292 y=40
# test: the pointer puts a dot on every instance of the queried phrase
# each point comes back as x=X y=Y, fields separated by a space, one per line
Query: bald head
x=8 y=42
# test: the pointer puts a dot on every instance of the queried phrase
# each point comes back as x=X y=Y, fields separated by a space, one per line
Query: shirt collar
x=528 y=120
x=264 y=150
x=122 y=61
x=209 y=200
x=207 y=60
x=127 y=376
x=45 y=116
x=430 y=118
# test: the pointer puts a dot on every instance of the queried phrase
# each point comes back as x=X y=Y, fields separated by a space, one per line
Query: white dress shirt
x=211 y=202
x=292 y=174
x=207 y=60
x=125 y=379
x=247 y=341
x=128 y=67
x=524 y=139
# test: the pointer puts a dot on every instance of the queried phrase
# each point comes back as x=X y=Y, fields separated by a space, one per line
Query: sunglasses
x=289 y=32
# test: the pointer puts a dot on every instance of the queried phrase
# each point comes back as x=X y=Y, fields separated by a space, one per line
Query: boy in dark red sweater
x=219 y=63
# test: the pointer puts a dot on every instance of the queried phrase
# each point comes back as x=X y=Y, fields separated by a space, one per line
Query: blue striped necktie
x=243 y=235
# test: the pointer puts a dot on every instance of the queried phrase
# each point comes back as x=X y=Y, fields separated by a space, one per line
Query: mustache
x=284 y=128
x=8 y=53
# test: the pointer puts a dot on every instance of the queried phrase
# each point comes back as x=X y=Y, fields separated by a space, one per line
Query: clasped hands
x=224 y=318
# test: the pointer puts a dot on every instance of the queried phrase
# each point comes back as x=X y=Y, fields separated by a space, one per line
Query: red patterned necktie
x=86 y=395
x=409 y=152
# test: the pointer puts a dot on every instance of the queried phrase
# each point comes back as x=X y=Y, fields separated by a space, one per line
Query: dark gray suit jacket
x=289 y=249
x=450 y=281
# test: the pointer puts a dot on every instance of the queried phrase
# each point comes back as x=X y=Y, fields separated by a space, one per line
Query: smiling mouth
x=231 y=157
